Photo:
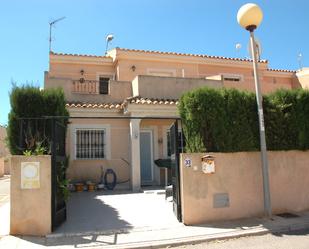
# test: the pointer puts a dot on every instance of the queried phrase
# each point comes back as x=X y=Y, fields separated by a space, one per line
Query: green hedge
x=226 y=120
x=31 y=102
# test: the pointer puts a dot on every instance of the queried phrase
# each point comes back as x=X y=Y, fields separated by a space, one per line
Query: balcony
x=169 y=87
x=85 y=86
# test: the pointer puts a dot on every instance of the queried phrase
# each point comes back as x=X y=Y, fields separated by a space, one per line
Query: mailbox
x=208 y=164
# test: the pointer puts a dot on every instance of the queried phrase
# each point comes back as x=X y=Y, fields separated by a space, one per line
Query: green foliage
x=31 y=102
x=226 y=120
x=38 y=151
x=62 y=181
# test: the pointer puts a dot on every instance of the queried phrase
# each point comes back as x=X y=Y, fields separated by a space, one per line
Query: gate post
x=30 y=195
x=135 y=155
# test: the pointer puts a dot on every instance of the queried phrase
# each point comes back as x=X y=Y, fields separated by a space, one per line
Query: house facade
x=123 y=104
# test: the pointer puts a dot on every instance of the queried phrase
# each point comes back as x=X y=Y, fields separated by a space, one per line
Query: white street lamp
x=250 y=16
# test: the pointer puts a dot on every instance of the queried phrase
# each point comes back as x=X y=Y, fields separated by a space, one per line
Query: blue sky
x=195 y=26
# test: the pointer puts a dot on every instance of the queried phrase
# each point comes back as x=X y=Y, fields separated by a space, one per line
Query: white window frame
x=107 y=139
x=110 y=75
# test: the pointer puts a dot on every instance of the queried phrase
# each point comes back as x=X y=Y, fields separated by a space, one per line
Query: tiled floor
x=117 y=211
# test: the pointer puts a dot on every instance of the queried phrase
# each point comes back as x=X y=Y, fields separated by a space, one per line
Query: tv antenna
x=108 y=39
x=300 y=58
x=50 y=30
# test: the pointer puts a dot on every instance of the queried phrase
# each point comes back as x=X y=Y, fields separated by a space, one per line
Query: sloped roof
x=94 y=105
x=81 y=55
x=188 y=54
x=281 y=70
x=151 y=101
x=162 y=53
x=131 y=100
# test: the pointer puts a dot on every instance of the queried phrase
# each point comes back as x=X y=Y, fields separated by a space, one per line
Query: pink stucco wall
x=239 y=175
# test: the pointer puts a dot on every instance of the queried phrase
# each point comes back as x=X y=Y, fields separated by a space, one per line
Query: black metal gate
x=58 y=159
x=49 y=133
x=175 y=170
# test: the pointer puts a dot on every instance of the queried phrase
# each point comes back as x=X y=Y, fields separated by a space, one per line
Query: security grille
x=90 y=144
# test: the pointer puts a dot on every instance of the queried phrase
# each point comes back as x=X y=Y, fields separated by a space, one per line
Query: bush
x=31 y=102
x=226 y=120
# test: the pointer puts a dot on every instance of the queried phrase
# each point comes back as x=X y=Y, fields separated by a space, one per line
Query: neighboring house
x=4 y=151
x=137 y=83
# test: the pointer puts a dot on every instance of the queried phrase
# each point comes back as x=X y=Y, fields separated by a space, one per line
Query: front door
x=146 y=157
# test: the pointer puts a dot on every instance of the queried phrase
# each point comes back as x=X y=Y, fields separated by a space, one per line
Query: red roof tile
x=82 y=55
x=94 y=105
x=281 y=70
x=151 y=101
x=186 y=54
x=163 y=53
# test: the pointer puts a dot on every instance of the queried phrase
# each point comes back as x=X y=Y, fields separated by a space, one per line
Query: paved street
x=4 y=205
x=290 y=240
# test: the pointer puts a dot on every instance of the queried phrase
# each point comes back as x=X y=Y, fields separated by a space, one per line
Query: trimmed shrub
x=31 y=102
x=226 y=120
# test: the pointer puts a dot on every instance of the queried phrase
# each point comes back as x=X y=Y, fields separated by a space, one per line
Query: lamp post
x=250 y=16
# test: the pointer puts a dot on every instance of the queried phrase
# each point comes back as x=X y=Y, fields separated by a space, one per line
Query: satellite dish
x=238 y=46
x=258 y=49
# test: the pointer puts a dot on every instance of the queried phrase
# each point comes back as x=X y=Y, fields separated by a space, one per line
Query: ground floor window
x=90 y=143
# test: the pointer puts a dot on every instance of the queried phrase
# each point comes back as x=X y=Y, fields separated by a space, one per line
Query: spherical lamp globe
x=250 y=16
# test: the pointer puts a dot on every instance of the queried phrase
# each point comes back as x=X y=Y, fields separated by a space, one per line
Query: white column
x=135 y=154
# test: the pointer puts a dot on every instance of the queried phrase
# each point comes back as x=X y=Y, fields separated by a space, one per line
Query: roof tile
x=281 y=70
x=94 y=105
x=187 y=54
x=151 y=101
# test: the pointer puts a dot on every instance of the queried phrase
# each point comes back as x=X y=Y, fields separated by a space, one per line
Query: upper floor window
x=104 y=85
x=232 y=77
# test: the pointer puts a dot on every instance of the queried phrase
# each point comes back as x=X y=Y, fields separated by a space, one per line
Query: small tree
x=32 y=102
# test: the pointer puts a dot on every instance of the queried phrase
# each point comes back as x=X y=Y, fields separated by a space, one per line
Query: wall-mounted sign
x=187 y=162
x=208 y=164
x=30 y=175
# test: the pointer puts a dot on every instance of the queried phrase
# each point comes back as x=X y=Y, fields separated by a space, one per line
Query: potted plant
x=91 y=186
x=79 y=187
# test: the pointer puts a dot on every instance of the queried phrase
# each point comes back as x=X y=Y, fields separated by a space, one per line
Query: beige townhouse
x=134 y=89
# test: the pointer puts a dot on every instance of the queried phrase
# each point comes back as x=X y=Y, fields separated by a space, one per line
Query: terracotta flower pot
x=91 y=187
x=79 y=187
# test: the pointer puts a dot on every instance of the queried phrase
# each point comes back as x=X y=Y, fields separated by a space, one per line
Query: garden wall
x=1 y=166
x=235 y=190
x=30 y=202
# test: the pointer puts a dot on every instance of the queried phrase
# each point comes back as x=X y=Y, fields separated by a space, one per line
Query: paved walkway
x=290 y=240
x=142 y=220
x=157 y=238
x=4 y=189
x=117 y=211
x=4 y=205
